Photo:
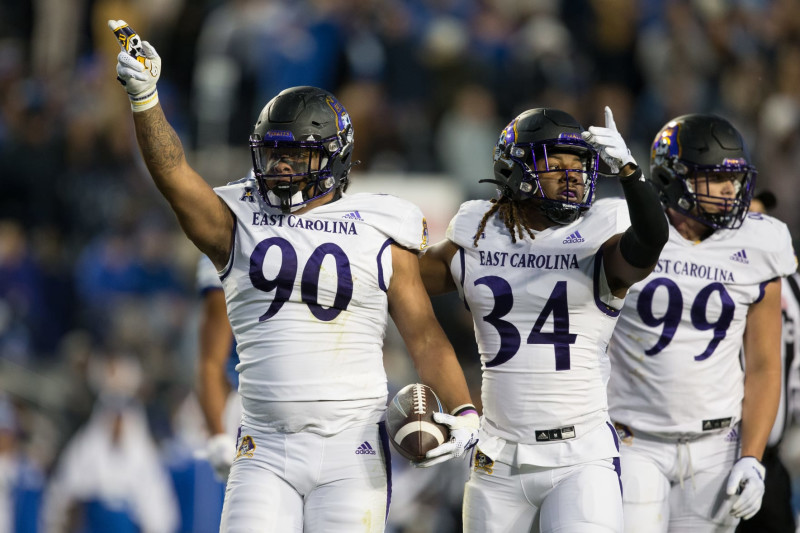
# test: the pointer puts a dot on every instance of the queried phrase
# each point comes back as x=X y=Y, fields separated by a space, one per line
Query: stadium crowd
x=98 y=312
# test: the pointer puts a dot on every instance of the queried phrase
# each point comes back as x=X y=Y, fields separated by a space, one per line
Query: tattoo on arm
x=161 y=148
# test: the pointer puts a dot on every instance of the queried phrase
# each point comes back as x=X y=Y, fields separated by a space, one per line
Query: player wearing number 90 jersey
x=319 y=281
x=309 y=276
x=677 y=391
x=544 y=272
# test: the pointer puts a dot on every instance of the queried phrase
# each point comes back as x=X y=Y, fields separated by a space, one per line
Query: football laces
x=419 y=400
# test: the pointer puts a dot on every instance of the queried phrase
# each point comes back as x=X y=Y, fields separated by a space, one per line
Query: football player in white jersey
x=776 y=514
x=692 y=421
x=544 y=276
x=217 y=380
x=310 y=276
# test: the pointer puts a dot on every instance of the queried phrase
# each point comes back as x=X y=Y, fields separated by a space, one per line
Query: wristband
x=465 y=409
x=143 y=102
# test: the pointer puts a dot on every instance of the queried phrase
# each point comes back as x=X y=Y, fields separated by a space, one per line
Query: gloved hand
x=609 y=143
x=138 y=66
x=221 y=449
x=463 y=436
x=746 y=485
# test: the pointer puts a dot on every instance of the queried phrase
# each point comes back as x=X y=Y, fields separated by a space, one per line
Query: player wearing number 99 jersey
x=309 y=276
x=685 y=408
x=544 y=272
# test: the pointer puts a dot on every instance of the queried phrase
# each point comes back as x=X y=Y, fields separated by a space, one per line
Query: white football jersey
x=675 y=350
x=206 y=277
x=541 y=328
x=306 y=297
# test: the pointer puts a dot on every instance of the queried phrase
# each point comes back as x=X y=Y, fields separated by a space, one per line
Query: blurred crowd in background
x=98 y=312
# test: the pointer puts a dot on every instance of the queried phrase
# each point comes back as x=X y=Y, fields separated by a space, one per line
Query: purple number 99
x=671 y=318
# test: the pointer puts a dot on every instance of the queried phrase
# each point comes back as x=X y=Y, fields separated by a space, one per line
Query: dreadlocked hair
x=513 y=216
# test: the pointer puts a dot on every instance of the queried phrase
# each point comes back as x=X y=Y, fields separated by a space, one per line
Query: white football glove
x=746 y=485
x=138 y=66
x=221 y=449
x=609 y=143
x=463 y=436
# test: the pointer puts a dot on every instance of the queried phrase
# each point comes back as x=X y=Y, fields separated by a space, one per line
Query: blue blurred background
x=99 y=428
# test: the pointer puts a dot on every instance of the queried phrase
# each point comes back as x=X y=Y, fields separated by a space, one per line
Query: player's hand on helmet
x=610 y=144
x=221 y=449
x=746 y=487
x=138 y=66
x=463 y=437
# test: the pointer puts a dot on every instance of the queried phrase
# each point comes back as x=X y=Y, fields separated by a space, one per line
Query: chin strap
x=504 y=189
x=288 y=204
x=559 y=213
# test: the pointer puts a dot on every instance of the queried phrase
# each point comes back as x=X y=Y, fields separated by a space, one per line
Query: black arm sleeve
x=642 y=242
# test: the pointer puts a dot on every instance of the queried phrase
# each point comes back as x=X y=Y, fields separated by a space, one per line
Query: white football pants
x=678 y=487
x=582 y=498
x=302 y=482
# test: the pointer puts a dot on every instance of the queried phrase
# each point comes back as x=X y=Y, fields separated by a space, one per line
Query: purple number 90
x=283 y=283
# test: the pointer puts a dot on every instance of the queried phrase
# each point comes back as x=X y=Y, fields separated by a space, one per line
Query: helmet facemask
x=290 y=174
x=572 y=162
x=302 y=146
x=714 y=211
x=699 y=164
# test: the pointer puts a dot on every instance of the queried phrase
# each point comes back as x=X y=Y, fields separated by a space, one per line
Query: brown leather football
x=409 y=421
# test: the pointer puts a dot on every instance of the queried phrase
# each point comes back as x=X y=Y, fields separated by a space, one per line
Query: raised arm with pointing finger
x=203 y=216
x=310 y=276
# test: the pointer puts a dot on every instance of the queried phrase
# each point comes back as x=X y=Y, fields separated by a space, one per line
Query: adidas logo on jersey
x=354 y=215
x=575 y=237
x=365 y=449
x=740 y=257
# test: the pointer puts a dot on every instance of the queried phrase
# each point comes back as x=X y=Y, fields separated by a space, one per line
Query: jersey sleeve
x=770 y=238
x=462 y=227
x=783 y=256
x=399 y=219
x=207 y=277
x=615 y=210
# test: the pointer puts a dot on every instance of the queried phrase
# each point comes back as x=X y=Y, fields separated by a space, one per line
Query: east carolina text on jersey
x=541 y=330
x=306 y=297
x=294 y=221
x=521 y=260
x=682 y=328
x=681 y=267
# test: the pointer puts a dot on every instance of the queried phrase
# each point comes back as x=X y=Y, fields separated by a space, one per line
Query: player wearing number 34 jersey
x=694 y=423
x=544 y=271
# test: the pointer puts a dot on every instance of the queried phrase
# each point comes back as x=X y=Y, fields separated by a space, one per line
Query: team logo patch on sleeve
x=424 y=243
x=246 y=448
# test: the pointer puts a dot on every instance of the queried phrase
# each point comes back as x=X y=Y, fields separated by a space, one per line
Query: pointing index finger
x=127 y=39
x=610 y=124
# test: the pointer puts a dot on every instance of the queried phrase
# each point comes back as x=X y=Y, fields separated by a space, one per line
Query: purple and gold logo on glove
x=129 y=40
